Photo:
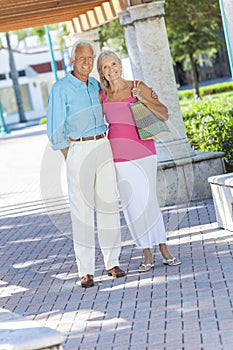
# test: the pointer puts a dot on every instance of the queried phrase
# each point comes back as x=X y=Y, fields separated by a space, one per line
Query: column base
x=180 y=181
x=173 y=150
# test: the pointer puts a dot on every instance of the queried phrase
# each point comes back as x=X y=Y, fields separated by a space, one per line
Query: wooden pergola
x=79 y=14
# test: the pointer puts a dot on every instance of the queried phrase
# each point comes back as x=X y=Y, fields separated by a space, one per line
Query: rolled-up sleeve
x=56 y=116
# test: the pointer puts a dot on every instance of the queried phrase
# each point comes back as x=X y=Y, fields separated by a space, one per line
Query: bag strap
x=136 y=83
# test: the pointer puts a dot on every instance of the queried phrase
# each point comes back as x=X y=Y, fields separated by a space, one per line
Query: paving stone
x=187 y=307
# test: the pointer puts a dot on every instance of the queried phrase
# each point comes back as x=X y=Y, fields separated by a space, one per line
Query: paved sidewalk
x=188 y=307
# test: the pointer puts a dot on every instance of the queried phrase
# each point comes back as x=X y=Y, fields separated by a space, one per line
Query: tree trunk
x=14 y=77
x=195 y=78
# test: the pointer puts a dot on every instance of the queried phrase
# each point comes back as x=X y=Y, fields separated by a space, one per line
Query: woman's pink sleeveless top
x=123 y=135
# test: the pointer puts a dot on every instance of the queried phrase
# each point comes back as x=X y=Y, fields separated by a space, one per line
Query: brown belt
x=89 y=138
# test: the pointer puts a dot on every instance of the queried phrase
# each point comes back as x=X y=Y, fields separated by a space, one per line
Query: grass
x=185 y=104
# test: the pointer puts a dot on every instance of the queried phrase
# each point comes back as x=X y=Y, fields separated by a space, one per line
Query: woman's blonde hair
x=103 y=82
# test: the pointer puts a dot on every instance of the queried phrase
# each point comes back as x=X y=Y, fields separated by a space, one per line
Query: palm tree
x=14 y=77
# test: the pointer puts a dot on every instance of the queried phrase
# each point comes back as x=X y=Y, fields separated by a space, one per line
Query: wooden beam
x=92 y=19
x=135 y=2
x=99 y=14
x=84 y=23
x=107 y=10
x=76 y=25
x=116 y=5
x=124 y=4
x=35 y=6
x=32 y=20
x=20 y=14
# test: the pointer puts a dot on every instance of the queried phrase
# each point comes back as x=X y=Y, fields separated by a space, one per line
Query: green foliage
x=22 y=34
x=64 y=29
x=207 y=90
x=193 y=28
x=112 y=37
x=40 y=32
x=209 y=126
x=185 y=94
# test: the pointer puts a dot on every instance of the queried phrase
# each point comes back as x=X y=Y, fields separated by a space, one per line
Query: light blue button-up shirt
x=74 y=111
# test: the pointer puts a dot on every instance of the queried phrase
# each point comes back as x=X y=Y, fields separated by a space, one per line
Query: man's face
x=83 y=62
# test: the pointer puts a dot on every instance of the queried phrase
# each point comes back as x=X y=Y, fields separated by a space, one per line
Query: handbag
x=147 y=123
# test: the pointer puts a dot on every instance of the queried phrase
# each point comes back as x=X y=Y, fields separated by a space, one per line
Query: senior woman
x=135 y=160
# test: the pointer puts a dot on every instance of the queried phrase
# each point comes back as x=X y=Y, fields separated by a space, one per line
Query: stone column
x=147 y=42
x=132 y=47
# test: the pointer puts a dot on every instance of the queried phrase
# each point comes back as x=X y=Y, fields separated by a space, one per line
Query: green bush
x=209 y=126
x=185 y=94
x=207 y=90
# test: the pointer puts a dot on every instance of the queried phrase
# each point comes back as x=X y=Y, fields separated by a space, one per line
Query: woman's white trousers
x=137 y=187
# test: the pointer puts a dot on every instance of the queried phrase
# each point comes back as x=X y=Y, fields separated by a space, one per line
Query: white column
x=132 y=46
x=146 y=39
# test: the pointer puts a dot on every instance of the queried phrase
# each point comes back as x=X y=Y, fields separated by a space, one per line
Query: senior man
x=75 y=125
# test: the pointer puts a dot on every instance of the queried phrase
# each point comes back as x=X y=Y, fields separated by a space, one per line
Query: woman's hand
x=137 y=93
x=149 y=97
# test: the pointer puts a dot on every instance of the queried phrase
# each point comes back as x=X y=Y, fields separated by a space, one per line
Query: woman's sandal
x=145 y=267
x=171 y=262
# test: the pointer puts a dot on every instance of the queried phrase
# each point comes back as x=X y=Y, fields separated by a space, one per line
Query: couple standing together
x=103 y=162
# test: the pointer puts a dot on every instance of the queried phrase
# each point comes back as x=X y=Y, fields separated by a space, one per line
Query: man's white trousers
x=92 y=188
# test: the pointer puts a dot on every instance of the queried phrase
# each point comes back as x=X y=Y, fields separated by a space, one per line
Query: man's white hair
x=80 y=43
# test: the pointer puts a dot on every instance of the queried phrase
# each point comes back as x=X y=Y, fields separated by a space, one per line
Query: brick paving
x=187 y=307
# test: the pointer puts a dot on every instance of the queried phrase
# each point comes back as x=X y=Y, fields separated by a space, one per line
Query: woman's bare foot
x=148 y=262
x=168 y=259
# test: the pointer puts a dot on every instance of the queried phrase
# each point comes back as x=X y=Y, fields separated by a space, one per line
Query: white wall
x=33 y=80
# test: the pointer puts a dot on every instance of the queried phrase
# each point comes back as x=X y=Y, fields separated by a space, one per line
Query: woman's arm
x=146 y=95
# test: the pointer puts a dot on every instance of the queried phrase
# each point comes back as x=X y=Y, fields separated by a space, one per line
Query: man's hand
x=153 y=94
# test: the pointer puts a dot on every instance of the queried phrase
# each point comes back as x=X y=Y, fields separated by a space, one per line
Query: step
x=19 y=333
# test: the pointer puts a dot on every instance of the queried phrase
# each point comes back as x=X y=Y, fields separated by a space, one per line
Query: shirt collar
x=78 y=82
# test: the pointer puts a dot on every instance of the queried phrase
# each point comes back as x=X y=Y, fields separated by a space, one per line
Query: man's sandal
x=145 y=267
x=171 y=262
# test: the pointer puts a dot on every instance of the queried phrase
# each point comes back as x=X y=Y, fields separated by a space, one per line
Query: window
x=45 y=95
x=21 y=73
x=2 y=76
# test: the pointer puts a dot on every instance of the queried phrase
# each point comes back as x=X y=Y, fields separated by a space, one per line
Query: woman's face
x=111 y=68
